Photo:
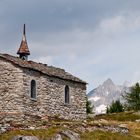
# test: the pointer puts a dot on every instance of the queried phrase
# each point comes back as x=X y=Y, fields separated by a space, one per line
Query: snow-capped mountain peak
x=103 y=95
x=108 y=82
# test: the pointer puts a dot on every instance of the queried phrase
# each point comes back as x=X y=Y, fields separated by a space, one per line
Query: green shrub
x=115 y=107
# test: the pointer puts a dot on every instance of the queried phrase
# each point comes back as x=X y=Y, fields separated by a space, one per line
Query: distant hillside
x=103 y=95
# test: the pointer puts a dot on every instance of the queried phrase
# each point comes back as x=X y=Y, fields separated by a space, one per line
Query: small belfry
x=23 y=51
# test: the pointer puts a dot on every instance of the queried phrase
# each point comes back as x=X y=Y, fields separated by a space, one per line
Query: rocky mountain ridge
x=104 y=94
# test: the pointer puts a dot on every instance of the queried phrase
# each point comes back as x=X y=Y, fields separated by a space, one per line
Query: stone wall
x=50 y=96
x=11 y=90
x=15 y=94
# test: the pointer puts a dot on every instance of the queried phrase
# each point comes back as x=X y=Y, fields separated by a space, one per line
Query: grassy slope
x=120 y=118
x=123 y=116
x=127 y=118
x=42 y=134
x=100 y=135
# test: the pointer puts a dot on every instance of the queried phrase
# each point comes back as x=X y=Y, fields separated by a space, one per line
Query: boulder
x=137 y=120
x=71 y=135
x=57 y=137
x=19 y=137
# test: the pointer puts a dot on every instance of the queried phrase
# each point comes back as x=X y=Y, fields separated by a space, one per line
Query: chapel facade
x=28 y=88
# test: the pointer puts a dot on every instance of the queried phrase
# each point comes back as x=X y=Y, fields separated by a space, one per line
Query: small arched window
x=33 y=89
x=67 y=98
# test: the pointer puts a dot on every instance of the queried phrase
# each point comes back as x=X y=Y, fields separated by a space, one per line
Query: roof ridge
x=43 y=68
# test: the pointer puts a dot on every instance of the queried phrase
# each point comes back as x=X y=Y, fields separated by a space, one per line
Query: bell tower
x=23 y=51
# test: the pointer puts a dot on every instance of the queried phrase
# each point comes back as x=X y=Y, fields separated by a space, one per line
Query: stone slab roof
x=43 y=68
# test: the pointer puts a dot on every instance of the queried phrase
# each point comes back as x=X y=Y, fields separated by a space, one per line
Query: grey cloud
x=70 y=30
x=59 y=15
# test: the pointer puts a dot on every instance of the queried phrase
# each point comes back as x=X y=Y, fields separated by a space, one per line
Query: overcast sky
x=92 y=39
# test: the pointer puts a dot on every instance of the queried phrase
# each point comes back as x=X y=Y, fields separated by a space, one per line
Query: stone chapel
x=28 y=88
